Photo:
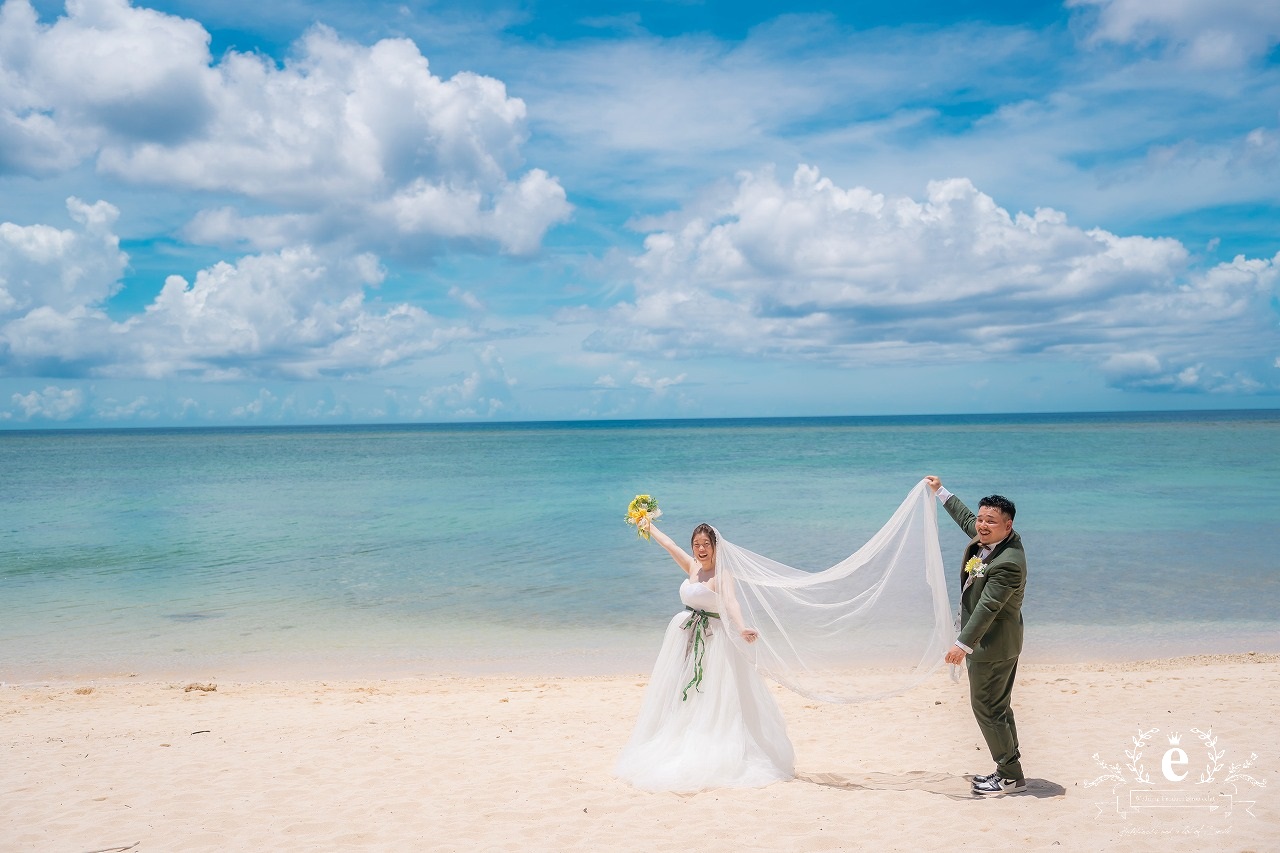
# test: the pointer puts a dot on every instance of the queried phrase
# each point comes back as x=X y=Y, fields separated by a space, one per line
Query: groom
x=993 y=581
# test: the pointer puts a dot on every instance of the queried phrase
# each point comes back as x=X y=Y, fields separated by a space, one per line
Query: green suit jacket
x=991 y=608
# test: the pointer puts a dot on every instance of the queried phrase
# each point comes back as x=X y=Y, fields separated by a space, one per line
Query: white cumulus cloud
x=53 y=403
x=111 y=409
x=257 y=406
x=292 y=313
x=60 y=269
x=480 y=393
x=53 y=282
x=297 y=313
x=343 y=139
x=810 y=270
x=657 y=384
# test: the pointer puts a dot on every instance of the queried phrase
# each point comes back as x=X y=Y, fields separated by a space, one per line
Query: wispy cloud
x=1205 y=32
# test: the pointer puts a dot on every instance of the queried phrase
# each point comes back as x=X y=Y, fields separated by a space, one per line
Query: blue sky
x=313 y=212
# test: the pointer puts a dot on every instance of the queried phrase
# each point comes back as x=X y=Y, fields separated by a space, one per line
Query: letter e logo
x=1174 y=756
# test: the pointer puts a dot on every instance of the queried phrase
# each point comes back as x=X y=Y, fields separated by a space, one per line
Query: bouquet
x=644 y=507
x=976 y=567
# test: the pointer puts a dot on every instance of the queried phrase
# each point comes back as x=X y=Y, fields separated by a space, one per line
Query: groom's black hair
x=999 y=502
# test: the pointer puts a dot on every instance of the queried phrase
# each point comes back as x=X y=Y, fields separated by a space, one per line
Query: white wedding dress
x=873 y=625
x=726 y=731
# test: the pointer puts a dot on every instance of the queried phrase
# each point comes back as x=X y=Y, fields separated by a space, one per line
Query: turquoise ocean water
x=501 y=547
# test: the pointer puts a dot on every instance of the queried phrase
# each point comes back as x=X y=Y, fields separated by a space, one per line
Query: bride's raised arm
x=683 y=560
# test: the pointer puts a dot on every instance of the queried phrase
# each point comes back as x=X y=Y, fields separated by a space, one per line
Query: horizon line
x=498 y=424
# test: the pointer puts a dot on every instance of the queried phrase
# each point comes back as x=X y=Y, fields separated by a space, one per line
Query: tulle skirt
x=728 y=733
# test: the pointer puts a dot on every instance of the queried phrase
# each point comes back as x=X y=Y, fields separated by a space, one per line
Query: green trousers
x=990 y=694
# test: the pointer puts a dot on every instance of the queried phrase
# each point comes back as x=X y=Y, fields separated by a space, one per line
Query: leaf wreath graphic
x=1115 y=772
x=1235 y=772
x=1139 y=771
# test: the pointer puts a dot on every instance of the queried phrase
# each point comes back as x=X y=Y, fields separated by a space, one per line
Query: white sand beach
x=523 y=763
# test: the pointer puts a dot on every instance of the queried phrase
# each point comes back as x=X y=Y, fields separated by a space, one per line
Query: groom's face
x=992 y=525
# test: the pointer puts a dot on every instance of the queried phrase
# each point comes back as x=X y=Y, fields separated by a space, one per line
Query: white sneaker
x=993 y=785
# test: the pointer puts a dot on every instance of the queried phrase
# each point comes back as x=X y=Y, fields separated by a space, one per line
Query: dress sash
x=699 y=621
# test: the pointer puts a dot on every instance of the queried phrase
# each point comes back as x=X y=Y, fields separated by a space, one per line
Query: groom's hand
x=934 y=483
x=955 y=655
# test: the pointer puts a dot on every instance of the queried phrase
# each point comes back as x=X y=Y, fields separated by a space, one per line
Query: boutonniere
x=975 y=568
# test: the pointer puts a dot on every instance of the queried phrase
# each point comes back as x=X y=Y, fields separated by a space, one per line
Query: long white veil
x=875 y=624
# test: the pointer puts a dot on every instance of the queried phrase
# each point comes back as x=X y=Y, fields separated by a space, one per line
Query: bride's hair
x=703 y=528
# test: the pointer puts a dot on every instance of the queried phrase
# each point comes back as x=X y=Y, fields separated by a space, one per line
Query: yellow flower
x=975 y=567
x=643 y=507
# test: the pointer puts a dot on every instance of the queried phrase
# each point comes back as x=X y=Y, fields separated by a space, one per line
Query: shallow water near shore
x=501 y=547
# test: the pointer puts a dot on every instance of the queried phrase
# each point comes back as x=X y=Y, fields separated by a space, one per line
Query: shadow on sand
x=955 y=787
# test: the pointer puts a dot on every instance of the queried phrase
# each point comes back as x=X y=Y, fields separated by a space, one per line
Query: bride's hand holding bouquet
x=641 y=513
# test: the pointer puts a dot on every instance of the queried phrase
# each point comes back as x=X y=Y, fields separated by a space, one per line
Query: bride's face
x=703 y=551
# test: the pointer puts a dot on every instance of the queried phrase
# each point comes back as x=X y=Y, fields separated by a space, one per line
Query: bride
x=707 y=719
x=873 y=625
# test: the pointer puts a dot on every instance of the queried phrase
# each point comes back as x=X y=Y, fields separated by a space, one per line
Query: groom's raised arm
x=955 y=507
